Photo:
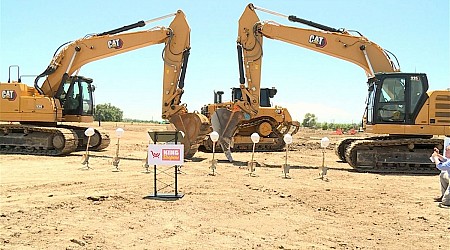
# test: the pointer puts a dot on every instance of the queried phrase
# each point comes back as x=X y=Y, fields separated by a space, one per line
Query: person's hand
x=436 y=156
x=436 y=153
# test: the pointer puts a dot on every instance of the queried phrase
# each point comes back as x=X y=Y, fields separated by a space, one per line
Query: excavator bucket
x=195 y=127
x=225 y=122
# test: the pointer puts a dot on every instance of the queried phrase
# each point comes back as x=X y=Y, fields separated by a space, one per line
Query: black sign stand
x=165 y=136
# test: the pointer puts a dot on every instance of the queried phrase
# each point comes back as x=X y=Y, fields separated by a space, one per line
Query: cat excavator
x=32 y=117
x=407 y=116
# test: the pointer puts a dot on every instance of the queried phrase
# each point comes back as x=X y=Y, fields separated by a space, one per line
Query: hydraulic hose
x=124 y=28
x=186 y=54
x=241 y=65
x=313 y=24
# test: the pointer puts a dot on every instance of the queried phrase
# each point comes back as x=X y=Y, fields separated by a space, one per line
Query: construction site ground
x=55 y=203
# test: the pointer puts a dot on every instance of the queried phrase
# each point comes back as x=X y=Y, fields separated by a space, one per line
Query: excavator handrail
x=9 y=72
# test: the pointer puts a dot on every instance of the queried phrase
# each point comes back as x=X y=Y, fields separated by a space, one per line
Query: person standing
x=443 y=164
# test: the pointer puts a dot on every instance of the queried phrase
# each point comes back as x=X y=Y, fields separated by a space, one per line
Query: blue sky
x=417 y=32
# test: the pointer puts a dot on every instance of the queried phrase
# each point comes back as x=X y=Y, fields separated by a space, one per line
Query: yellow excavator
x=271 y=123
x=32 y=116
x=399 y=105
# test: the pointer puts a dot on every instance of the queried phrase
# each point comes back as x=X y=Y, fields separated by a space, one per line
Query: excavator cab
x=396 y=98
x=76 y=96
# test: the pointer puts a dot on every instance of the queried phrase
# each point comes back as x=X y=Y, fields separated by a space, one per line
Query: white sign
x=164 y=154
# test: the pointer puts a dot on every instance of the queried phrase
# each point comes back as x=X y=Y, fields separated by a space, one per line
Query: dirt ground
x=55 y=203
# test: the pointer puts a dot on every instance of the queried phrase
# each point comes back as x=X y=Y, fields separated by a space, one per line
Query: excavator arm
x=176 y=38
x=338 y=43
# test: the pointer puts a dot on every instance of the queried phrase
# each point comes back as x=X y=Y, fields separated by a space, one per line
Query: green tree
x=108 y=112
x=310 y=120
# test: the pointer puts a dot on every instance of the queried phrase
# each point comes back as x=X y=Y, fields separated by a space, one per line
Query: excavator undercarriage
x=270 y=131
x=47 y=140
x=389 y=154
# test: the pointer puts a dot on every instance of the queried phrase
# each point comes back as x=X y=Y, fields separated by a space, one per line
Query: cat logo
x=9 y=94
x=115 y=44
x=319 y=41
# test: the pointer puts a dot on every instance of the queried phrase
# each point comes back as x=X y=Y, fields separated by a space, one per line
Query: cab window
x=391 y=103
